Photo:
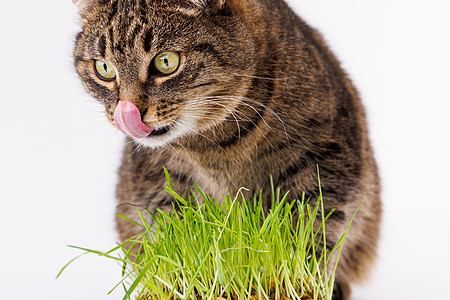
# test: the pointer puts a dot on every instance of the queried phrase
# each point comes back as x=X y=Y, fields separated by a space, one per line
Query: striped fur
x=257 y=93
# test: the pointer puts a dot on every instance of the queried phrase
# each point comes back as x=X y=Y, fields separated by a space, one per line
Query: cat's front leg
x=141 y=186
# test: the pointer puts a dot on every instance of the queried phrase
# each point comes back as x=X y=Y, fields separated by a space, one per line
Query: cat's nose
x=132 y=92
x=141 y=107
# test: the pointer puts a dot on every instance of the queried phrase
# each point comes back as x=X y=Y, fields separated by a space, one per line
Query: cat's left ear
x=199 y=6
x=85 y=6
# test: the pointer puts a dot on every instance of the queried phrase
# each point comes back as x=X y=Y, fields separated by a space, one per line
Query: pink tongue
x=128 y=120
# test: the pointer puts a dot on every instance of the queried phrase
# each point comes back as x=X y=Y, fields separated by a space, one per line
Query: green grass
x=233 y=249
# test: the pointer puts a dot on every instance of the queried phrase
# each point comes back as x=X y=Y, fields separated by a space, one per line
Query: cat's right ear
x=84 y=7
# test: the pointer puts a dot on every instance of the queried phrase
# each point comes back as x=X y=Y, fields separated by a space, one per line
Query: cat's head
x=177 y=67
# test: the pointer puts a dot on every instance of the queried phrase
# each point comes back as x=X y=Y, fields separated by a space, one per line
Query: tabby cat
x=225 y=93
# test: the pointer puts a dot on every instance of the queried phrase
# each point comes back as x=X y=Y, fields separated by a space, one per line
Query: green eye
x=104 y=71
x=167 y=62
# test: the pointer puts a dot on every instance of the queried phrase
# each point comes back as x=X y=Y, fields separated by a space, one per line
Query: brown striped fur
x=257 y=93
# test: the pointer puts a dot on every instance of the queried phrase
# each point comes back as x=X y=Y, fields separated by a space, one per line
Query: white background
x=58 y=155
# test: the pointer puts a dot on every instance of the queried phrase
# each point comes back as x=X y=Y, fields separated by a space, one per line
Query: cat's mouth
x=127 y=119
x=160 y=131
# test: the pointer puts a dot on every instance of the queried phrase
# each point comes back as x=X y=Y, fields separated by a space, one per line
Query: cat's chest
x=220 y=174
x=212 y=185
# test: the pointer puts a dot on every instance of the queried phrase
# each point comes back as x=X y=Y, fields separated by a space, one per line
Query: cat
x=226 y=93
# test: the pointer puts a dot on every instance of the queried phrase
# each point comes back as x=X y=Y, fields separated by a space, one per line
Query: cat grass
x=230 y=249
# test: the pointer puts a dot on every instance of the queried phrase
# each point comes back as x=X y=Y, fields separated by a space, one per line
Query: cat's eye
x=167 y=62
x=104 y=70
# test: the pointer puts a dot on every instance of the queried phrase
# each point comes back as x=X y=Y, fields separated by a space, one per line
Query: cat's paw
x=341 y=291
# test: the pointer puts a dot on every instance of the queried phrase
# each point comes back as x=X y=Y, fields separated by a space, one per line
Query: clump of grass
x=233 y=249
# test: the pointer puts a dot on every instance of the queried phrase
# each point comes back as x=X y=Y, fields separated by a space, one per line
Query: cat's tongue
x=128 y=119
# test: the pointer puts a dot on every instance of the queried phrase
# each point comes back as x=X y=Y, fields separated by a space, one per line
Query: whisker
x=136 y=149
x=197 y=132
x=263 y=78
x=243 y=101
x=273 y=113
x=248 y=119
x=237 y=114
x=256 y=126
x=183 y=147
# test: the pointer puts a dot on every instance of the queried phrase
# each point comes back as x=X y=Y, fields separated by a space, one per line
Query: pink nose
x=128 y=120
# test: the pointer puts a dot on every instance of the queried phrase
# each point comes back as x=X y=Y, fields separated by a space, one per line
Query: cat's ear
x=198 y=6
x=85 y=6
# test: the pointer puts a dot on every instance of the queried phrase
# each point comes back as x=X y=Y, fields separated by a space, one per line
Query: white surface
x=58 y=156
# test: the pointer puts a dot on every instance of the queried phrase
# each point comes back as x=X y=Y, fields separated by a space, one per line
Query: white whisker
x=243 y=101
x=263 y=78
x=236 y=111
x=197 y=132
x=183 y=147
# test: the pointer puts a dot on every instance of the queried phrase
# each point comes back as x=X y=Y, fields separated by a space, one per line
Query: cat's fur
x=257 y=93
